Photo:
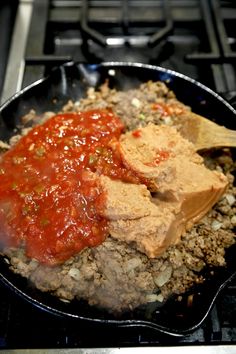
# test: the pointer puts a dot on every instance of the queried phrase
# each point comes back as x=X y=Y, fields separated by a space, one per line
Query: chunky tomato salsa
x=49 y=193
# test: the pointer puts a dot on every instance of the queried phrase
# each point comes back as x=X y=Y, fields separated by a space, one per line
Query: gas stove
x=194 y=37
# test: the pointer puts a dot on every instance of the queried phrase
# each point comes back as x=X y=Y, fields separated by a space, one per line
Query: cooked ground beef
x=115 y=275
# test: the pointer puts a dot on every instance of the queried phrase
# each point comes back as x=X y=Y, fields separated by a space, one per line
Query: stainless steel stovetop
x=194 y=37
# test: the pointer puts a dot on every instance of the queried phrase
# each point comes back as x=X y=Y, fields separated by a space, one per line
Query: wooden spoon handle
x=219 y=137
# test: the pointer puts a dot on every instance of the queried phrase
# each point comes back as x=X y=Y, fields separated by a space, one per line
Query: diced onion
x=233 y=220
x=132 y=263
x=216 y=225
x=163 y=277
x=136 y=103
x=74 y=273
x=230 y=199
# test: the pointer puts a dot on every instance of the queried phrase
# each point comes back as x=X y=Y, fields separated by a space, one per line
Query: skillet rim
x=126 y=322
x=121 y=64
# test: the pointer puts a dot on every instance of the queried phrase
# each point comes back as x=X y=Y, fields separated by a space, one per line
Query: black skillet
x=71 y=81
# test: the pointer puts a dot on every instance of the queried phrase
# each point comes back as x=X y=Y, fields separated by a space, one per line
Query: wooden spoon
x=204 y=133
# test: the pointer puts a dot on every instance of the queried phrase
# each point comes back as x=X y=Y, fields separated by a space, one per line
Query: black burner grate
x=128 y=25
x=186 y=36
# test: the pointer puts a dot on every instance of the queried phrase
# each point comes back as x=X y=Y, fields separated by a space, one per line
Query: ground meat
x=114 y=275
x=135 y=108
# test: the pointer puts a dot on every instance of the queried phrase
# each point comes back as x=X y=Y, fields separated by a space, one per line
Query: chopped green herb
x=84 y=132
x=14 y=185
x=92 y=159
x=22 y=194
x=25 y=209
x=99 y=150
x=40 y=151
x=44 y=222
x=142 y=116
x=39 y=188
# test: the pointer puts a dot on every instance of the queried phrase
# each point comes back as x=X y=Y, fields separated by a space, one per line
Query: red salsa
x=162 y=108
x=161 y=155
x=49 y=197
x=137 y=133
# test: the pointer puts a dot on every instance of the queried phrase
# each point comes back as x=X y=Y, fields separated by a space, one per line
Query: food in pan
x=107 y=202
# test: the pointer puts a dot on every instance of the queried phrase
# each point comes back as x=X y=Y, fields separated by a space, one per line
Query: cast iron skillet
x=71 y=81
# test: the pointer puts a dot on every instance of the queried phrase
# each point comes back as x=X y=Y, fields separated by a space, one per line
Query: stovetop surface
x=198 y=39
